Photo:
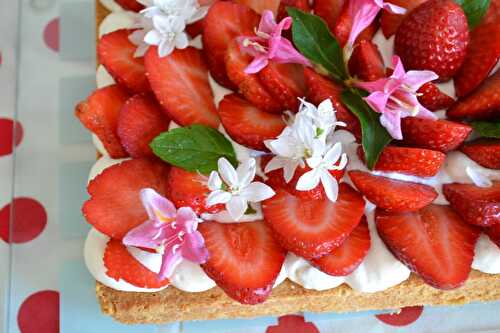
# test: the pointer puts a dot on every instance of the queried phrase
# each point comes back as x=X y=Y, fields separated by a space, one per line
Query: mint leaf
x=474 y=10
x=314 y=40
x=487 y=129
x=375 y=136
x=196 y=148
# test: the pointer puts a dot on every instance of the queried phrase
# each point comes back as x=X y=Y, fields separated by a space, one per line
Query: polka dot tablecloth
x=46 y=65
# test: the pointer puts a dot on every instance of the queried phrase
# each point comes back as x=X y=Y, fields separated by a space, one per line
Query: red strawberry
x=366 y=62
x=485 y=152
x=433 y=242
x=434 y=36
x=115 y=207
x=224 y=22
x=493 y=233
x=195 y=29
x=116 y=53
x=343 y=27
x=493 y=13
x=299 y=4
x=393 y=195
x=132 y=5
x=250 y=85
x=100 y=112
x=411 y=161
x=180 y=83
x=244 y=260
x=141 y=120
x=285 y=82
x=248 y=125
x=189 y=189
x=121 y=265
x=441 y=135
x=344 y=259
x=390 y=22
x=477 y=205
x=320 y=88
x=434 y=99
x=260 y=5
x=482 y=55
x=482 y=103
x=313 y=228
x=329 y=10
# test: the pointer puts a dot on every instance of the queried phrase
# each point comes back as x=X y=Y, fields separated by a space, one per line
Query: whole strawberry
x=434 y=36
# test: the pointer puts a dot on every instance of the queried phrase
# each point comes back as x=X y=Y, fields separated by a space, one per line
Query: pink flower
x=270 y=45
x=364 y=12
x=170 y=231
x=395 y=97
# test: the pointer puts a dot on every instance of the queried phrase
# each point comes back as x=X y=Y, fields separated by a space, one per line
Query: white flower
x=323 y=117
x=188 y=10
x=235 y=188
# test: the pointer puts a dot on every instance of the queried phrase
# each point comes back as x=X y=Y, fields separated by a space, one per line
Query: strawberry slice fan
x=286 y=141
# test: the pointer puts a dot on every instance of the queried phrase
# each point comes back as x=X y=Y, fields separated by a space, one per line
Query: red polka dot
x=29 y=220
x=39 y=313
x=405 y=317
x=292 y=323
x=51 y=34
x=11 y=131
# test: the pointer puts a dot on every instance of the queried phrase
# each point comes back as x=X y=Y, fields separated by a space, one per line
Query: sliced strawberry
x=411 y=161
x=244 y=260
x=313 y=228
x=390 y=22
x=329 y=10
x=441 y=135
x=482 y=103
x=180 y=83
x=320 y=88
x=115 y=206
x=189 y=189
x=132 y=5
x=343 y=27
x=366 y=62
x=493 y=233
x=431 y=97
x=250 y=85
x=344 y=259
x=485 y=152
x=482 y=55
x=261 y=5
x=121 y=265
x=100 y=113
x=248 y=125
x=116 y=54
x=285 y=82
x=224 y=22
x=476 y=205
x=493 y=13
x=433 y=242
x=393 y=195
x=141 y=120
x=195 y=29
x=299 y=4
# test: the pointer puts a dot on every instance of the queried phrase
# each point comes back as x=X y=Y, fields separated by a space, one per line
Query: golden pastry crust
x=171 y=304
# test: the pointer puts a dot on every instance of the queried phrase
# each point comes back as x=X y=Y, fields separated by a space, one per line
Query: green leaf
x=196 y=148
x=375 y=136
x=474 y=10
x=487 y=129
x=315 y=41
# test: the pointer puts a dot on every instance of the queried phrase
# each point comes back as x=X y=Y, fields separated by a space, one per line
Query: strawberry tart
x=271 y=157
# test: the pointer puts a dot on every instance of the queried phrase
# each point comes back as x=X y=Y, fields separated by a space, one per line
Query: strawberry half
x=482 y=103
x=115 y=206
x=493 y=233
x=180 y=83
x=485 y=152
x=261 y=5
x=224 y=22
x=116 y=54
x=477 y=205
x=411 y=161
x=493 y=13
x=248 y=125
x=189 y=189
x=434 y=36
x=121 y=265
x=132 y=5
x=441 y=135
x=366 y=62
x=313 y=228
x=390 y=22
x=343 y=27
x=140 y=121
x=244 y=259
x=344 y=259
x=100 y=113
x=433 y=242
x=431 y=97
x=249 y=85
x=319 y=88
x=393 y=195
x=329 y=10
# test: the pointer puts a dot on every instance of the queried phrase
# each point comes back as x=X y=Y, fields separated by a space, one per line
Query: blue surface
x=77 y=31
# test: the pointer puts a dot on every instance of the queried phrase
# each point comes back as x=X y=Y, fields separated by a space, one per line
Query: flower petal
x=416 y=79
x=399 y=70
x=394 y=8
x=148 y=235
x=267 y=23
x=372 y=86
x=186 y=220
x=246 y=172
x=391 y=120
x=214 y=181
x=169 y=262
x=378 y=101
x=478 y=177
x=227 y=172
x=333 y=154
x=363 y=13
x=289 y=169
x=330 y=186
x=308 y=181
x=237 y=207
x=218 y=197
x=157 y=207
x=194 y=248
x=258 y=63
x=285 y=52
x=257 y=192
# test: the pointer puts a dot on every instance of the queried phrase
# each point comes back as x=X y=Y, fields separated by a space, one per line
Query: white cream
x=116 y=21
x=111 y=5
x=304 y=274
x=103 y=78
x=487 y=257
x=456 y=167
x=190 y=277
x=99 y=145
x=217 y=90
